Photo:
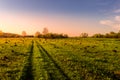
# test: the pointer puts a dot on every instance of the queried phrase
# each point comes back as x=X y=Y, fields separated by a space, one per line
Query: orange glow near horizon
x=60 y=16
x=16 y=23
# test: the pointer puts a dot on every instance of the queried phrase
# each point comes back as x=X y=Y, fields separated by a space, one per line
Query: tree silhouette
x=45 y=31
x=37 y=34
x=24 y=33
x=84 y=35
x=1 y=33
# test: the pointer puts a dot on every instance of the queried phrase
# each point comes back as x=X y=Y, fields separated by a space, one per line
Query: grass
x=59 y=59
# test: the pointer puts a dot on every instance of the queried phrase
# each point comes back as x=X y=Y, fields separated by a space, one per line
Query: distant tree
x=118 y=34
x=48 y=35
x=24 y=33
x=45 y=31
x=107 y=35
x=55 y=35
x=1 y=33
x=84 y=35
x=98 y=35
x=112 y=32
x=112 y=35
x=37 y=34
x=119 y=31
x=65 y=36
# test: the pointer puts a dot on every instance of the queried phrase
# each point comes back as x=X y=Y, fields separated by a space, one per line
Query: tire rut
x=53 y=69
x=27 y=71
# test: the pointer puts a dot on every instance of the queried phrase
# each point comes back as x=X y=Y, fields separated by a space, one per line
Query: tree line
x=99 y=35
x=45 y=34
x=107 y=35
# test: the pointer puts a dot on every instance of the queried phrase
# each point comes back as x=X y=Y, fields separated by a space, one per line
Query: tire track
x=38 y=69
x=27 y=71
x=53 y=69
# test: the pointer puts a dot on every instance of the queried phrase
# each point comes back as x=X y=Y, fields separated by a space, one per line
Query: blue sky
x=63 y=16
x=60 y=6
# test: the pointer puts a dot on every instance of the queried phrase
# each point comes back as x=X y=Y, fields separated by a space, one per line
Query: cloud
x=115 y=23
x=117 y=18
x=106 y=22
x=117 y=11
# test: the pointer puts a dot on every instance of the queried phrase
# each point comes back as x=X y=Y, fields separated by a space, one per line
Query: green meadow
x=60 y=59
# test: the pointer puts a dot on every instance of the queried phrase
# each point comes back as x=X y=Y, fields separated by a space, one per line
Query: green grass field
x=59 y=59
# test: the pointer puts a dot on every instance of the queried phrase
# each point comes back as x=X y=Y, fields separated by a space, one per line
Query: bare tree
x=1 y=33
x=45 y=31
x=37 y=34
x=24 y=33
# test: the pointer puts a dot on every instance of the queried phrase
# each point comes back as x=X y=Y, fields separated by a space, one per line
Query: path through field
x=41 y=66
x=27 y=74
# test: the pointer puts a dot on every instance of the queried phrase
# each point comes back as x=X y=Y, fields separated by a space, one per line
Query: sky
x=71 y=17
